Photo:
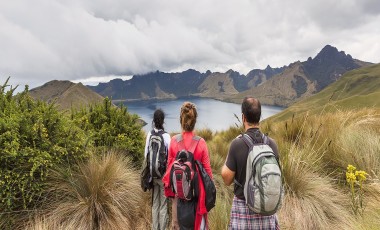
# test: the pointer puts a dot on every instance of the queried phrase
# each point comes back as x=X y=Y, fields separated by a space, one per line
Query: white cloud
x=69 y=40
x=96 y=80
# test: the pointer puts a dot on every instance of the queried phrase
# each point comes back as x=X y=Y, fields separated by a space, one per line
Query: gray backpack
x=157 y=154
x=263 y=189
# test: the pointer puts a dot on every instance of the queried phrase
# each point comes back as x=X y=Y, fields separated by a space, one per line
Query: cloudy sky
x=93 y=40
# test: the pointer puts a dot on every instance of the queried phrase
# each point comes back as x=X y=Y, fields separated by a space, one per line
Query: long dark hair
x=158 y=119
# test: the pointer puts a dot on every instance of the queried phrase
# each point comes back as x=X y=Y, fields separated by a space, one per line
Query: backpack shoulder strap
x=194 y=143
x=159 y=133
x=179 y=139
x=237 y=183
x=265 y=139
x=248 y=140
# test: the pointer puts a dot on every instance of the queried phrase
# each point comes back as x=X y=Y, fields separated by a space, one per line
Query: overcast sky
x=93 y=40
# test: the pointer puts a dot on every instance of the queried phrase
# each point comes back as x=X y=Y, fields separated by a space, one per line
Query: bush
x=34 y=137
x=108 y=126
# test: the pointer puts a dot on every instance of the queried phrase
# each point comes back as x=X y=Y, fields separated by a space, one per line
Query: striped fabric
x=242 y=218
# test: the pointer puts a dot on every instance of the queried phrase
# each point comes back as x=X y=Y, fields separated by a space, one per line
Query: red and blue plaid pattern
x=242 y=218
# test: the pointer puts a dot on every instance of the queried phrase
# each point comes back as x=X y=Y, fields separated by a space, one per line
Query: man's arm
x=228 y=175
x=229 y=167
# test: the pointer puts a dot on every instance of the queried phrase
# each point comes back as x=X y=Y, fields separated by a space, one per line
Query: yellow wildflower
x=350 y=177
x=361 y=175
x=351 y=168
x=121 y=136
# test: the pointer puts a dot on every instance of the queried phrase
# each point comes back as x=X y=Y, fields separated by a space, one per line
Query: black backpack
x=157 y=154
x=209 y=186
x=145 y=180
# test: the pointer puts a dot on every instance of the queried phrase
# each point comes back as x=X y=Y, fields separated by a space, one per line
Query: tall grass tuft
x=220 y=214
x=310 y=194
x=354 y=138
x=218 y=150
x=205 y=133
x=144 y=219
x=103 y=193
x=371 y=215
x=360 y=146
x=41 y=223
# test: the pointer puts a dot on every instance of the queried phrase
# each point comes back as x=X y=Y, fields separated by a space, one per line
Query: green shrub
x=108 y=126
x=34 y=137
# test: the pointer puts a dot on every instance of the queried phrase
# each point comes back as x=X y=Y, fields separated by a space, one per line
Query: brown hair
x=188 y=116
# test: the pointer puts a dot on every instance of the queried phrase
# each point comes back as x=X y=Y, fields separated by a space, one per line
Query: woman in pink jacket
x=188 y=118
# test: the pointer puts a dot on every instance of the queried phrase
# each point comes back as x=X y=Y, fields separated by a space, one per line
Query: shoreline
x=157 y=99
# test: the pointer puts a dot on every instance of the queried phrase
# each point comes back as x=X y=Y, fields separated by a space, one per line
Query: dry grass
x=103 y=193
x=315 y=151
x=41 y=223
x=206 y=134
x=312 y=201
x=359 y=146
x=220 y=214
x=314 y=170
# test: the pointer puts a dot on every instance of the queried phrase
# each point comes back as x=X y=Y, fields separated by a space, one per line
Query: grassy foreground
x=104 y=193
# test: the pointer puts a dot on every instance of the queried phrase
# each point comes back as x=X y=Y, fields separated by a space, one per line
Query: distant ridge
x=160 y=85
x=273 y=86
x=66 y=94
x=355 y=90
x=300 y=80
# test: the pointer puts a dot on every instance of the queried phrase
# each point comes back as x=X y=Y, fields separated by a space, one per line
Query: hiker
x=188 y=212
x=156 y=152
x=234 y=170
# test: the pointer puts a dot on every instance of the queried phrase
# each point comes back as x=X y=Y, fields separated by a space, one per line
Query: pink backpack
x=183 y=172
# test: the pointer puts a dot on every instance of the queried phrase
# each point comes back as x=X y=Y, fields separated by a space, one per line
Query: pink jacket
x=200 y=154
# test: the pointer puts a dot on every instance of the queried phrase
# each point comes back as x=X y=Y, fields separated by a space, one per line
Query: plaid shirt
x=242 y=218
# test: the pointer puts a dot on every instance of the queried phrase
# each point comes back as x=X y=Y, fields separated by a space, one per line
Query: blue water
x=212 y=114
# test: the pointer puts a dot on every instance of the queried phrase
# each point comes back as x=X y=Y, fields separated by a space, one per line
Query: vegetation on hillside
x=107 y=126
x=35 y=138
x=315 y=152
x=83 y=189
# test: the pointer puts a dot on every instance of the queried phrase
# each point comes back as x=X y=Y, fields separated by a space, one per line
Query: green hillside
x=356 y=89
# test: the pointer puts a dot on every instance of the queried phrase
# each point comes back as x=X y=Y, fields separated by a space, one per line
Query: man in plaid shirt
x=235 y=170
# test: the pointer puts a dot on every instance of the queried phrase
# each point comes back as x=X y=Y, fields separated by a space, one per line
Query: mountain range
x=273 y=86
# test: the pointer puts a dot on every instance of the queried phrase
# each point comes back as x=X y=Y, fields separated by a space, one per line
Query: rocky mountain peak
x=232 y=72
x=329 y=52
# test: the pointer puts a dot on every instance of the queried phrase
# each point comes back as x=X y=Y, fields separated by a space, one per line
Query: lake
x=213 y=114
